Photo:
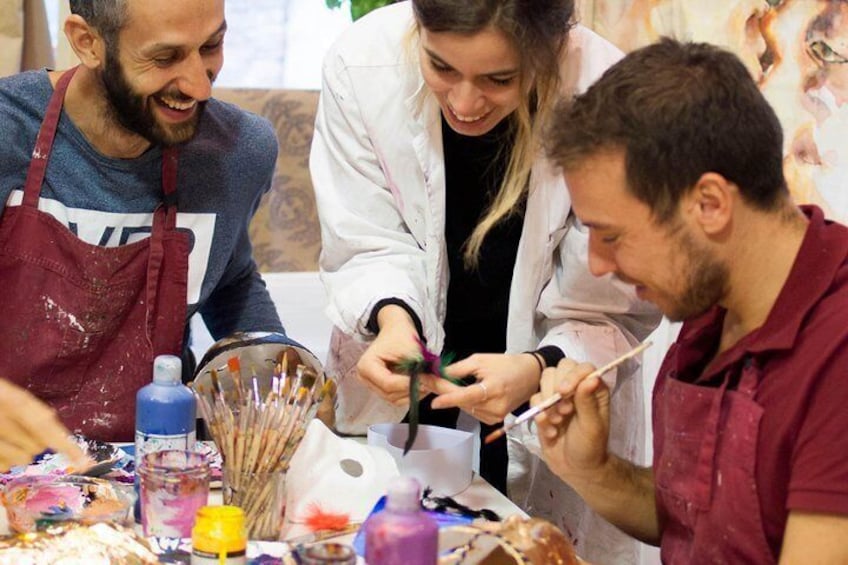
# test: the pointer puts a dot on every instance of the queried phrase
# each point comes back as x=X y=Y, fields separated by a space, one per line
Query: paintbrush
x=322 y=535
x=234 y=366
x=557 y=397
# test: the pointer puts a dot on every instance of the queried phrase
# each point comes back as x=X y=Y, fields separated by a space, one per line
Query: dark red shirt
x=802 y=353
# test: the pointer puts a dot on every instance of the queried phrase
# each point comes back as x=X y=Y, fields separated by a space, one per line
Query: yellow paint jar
x=219 y=536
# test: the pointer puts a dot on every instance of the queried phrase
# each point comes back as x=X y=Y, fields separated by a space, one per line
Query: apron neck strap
x=170 y=158
x=706 y=456
x=44 y=141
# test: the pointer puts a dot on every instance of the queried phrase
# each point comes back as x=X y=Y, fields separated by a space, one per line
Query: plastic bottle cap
x=403 y=494
x=167 y=370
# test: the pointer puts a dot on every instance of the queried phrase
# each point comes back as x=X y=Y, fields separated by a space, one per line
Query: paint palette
x=36 y=502
x=105 y=456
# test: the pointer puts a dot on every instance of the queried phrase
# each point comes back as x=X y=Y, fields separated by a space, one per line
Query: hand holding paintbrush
x=557 y=397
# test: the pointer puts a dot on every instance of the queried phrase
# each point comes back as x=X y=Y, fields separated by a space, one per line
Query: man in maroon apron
x=87 y=320
x=673 y=160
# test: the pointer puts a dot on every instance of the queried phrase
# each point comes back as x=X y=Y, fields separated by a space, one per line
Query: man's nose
x=195 y=78
x=600 y=261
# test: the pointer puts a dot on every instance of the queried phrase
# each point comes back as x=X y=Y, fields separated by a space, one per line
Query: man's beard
x=130 y=110
x=706 y=282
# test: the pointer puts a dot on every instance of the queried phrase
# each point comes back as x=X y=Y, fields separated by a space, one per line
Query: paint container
x=402 y=534
x=326 y=554
x=219 y=536
x=173 y=485
x=165 y=414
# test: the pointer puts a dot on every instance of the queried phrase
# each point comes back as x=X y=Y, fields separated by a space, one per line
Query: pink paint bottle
x=402 y=534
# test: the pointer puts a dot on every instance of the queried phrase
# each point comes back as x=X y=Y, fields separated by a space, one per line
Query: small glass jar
x=219 y=536
x=173 y=485
x=326 y=554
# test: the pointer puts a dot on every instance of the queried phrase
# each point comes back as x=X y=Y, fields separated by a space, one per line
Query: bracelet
x=538 y=360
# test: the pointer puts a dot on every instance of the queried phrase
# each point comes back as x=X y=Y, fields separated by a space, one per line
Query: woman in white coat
x=441 y=218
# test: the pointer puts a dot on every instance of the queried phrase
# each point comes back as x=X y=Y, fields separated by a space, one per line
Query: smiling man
x=127 y=196
x=673 y=162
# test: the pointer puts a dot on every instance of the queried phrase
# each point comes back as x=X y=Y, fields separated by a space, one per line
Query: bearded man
x=127 y=196
x=673 y=160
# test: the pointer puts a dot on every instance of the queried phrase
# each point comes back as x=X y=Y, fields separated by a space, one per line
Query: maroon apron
x=705 y=475
x=81 y=323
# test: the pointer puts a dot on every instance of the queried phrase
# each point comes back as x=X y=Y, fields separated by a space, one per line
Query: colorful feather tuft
x=319 y=520
x=427 y=362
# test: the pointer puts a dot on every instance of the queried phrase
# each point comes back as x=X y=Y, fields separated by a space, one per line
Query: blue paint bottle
x=165 y=413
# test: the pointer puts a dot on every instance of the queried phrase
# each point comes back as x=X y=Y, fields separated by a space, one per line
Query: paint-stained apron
x=81 y=323
x=705 y=476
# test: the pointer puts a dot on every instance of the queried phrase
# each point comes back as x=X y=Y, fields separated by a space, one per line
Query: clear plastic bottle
x=165 y=412
x=402 y=534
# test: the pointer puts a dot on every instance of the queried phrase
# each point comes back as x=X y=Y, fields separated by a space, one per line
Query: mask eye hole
x=351 y=467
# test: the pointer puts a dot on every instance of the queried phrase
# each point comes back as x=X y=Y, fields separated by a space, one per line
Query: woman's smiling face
x=476 y=78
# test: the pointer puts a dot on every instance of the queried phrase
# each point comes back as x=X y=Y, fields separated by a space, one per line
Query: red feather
x=317 y=519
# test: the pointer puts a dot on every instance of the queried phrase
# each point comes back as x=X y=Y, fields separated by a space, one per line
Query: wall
x=796 y=49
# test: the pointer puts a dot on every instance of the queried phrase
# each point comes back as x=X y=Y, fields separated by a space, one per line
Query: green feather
x=413 y=412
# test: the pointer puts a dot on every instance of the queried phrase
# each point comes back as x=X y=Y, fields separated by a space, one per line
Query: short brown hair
x=106 y=16
x=677 y=110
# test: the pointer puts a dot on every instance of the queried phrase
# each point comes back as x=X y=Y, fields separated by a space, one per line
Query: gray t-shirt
x=223 y=172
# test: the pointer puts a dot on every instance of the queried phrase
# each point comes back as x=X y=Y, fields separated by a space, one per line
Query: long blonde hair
x=539 y=30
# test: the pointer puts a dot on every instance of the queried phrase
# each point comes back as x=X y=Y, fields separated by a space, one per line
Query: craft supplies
x=173 y=485
x=37 y=502
x=515 y=541
x=326 y=554
x=340 y=476
x=165 y=413
x=257 y=422
x=425 y=362
x=102 y=456
x=219 y=536
x=262 y=496
x=440 y=458
x=557 y=397
x=402 y=534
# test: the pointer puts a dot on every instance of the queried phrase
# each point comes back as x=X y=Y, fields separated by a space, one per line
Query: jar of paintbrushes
x=257 y=418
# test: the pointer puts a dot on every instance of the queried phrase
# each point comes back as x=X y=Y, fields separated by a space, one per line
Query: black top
x=478 y=298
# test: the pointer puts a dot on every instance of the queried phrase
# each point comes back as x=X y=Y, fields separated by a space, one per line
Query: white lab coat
x=378 y=171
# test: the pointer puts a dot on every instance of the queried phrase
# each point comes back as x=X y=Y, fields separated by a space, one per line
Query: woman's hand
x=29 y=427
x=395 y=342
x=504 y=382
x=574 y=432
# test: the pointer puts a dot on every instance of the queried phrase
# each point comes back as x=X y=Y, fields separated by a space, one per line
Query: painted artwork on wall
x=796 y=49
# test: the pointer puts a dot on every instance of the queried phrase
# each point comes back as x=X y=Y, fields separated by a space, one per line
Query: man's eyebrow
x=165 y=46
x=442 y=62
x=596 y=225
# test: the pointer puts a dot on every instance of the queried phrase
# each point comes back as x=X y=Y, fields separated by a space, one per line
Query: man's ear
x=711 y=203
x=86 y=42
